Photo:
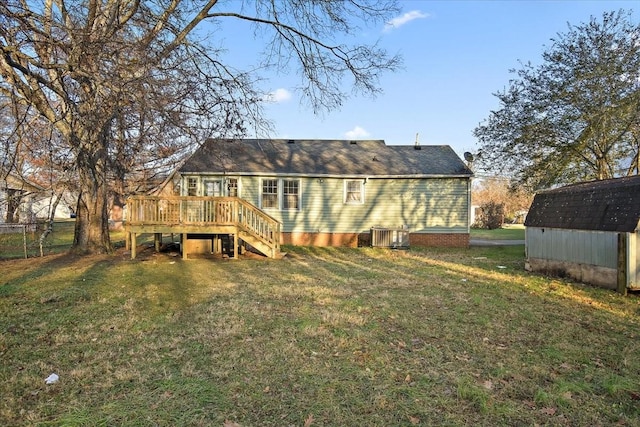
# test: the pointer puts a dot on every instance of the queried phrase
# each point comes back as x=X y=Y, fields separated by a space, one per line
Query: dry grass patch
x=325 y=336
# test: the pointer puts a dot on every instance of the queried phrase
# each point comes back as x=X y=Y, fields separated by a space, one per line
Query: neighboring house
x=26 y=202
x=16 y=199
x=587 y=231
x=334 y=192
x=64 y=210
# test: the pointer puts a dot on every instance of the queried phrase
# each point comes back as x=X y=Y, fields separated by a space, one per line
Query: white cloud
x=356 y=133
x=399 y=21
x=278 y=96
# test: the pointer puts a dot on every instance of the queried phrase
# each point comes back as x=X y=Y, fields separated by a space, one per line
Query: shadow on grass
x=351 y=336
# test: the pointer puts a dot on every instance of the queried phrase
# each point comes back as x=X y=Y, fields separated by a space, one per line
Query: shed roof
x=607 y=205
x=312 y=157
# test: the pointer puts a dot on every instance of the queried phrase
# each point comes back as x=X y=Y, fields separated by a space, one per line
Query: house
x=16 y=199
x=587 y=231
x=335 y=192
x=24 y=201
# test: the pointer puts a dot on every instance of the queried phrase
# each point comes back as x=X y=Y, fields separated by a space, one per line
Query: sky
x=457 y=54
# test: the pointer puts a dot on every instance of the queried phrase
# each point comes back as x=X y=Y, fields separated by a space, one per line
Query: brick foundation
x=321 y=239
x=352 y=240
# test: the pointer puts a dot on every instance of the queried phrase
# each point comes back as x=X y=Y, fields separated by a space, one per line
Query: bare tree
x=498 y=191
x=15 y=165
x=118 y=79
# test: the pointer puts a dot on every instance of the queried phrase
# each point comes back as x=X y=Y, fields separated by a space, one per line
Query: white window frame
x=228 y=184
x=262 y=194
x=280 y=194
x=360 y=183
x=298 y=195
x=195 y=180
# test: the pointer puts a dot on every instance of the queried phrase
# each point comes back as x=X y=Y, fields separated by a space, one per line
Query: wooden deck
x=209 y=217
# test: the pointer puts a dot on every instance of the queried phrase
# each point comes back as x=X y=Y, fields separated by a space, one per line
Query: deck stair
x=234 y=217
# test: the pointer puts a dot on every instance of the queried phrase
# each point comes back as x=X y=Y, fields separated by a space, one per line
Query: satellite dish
x=468 y=156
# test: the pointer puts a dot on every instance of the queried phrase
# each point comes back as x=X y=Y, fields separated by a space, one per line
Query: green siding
x=250 y=191
x=429 y=205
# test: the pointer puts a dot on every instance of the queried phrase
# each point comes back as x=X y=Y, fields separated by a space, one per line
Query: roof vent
x=353 y=142
x=291 y=141
x=417 y=145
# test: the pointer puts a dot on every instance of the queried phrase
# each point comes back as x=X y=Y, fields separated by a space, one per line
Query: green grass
x=324 y=337
x=12 y=245
x=507 y=232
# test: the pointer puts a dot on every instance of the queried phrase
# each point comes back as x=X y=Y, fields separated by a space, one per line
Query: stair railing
x=203 y=211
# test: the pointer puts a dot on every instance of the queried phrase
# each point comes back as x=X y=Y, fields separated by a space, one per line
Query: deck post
x=127 y=241
x=183 y=245
x=217 y=244
x=157 y=241
x=133 y=245
x=235 y=245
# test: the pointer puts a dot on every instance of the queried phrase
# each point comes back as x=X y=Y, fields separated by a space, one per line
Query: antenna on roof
x=417 y=146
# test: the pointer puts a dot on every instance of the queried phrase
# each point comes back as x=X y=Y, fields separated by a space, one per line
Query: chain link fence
x=25 y=240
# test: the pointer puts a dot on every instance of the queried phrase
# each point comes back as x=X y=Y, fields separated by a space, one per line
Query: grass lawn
x=12 y=245
x=324 y=337
x=507 y=232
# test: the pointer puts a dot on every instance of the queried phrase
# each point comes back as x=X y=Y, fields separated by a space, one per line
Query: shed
x=587 y=231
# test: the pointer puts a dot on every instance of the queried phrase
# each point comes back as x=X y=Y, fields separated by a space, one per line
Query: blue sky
x=456 y=55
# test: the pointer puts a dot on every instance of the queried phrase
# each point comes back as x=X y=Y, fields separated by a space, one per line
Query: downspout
x=469 y=207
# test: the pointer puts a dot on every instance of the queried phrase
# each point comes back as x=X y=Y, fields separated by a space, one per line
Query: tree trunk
x=92 y=215
x=92 y=219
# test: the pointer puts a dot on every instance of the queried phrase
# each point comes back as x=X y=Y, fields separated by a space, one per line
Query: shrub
x=491 y=215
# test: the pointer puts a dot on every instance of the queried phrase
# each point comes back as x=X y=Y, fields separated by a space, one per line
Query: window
x=233 y=187
x=192 y=186
x=270 y=194
x=281 y=194
x=290 y=194
x=353 y=192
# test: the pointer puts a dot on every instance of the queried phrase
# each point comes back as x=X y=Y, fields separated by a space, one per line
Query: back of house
x=335 y=192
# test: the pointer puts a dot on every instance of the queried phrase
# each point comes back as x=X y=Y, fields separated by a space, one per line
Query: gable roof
x=607 y=205
x=324 y=158
x=17 y=182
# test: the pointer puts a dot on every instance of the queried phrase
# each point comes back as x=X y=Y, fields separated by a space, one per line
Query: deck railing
x=177 y=211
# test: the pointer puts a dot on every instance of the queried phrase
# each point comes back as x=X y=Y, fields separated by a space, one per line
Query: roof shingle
x=323 y=158
x=607 y=205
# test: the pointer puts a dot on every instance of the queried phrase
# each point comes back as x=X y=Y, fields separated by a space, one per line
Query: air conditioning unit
x=395 y=238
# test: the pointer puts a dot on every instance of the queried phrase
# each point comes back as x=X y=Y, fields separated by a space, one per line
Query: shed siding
x=596 y=248
x=437 y=205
